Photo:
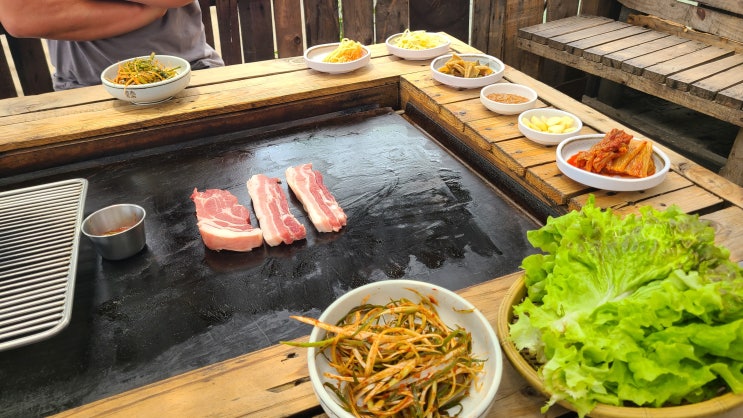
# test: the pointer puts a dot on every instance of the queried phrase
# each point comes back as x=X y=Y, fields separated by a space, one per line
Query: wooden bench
x=688 y=55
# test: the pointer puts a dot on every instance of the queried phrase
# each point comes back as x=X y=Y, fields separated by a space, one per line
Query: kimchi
x=617 y=154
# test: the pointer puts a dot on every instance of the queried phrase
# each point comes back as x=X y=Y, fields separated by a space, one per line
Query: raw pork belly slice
x=307 y=184
x=223 y=223
x=272 y=210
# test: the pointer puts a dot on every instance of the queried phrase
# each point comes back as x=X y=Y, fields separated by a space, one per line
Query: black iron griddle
x=414 y=211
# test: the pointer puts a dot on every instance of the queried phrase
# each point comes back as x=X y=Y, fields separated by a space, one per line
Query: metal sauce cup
x=117 y=231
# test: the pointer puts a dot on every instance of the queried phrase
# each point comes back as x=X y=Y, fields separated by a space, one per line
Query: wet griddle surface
x=413 y=211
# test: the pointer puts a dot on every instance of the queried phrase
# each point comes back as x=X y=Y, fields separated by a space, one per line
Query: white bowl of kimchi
x=658 y=165
x=344 y=57
x=417 y=45
x=453 y=310
x=158 y=89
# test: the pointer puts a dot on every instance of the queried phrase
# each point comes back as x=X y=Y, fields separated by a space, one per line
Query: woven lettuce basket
x=709 y=408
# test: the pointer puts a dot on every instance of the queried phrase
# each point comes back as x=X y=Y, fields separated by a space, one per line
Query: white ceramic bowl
x=548 y=138
x=508 y=88
x=571 y=146
x=314 y=58
x=153 y=92
x=453 y=310
x=417 y=54
x=468 y=83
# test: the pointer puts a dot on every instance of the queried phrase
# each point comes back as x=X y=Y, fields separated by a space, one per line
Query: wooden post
x=7 y=88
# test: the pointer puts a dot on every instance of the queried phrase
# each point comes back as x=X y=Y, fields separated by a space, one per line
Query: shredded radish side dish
x=143 y=71
x=397 y=359
x=348 y=50
x=418 y=40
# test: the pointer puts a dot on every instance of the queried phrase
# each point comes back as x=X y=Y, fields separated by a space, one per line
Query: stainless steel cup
x=117 y=231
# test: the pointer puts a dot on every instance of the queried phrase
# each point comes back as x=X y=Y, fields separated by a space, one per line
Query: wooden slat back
x=7 y=88
x=321 y=21
x=31 y=65
x=734 y=6
x=288 y=21
x=446 y=16
x=29 y=56
x=358 y=20
x=256 y=19
x=721 y=19
x=229 y=31
x=206 y=19
x=392 y=16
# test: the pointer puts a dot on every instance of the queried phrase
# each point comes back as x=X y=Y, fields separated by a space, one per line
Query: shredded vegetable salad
x=397 y=359
x=348 y=50
x=418 y=40
x=143 y=71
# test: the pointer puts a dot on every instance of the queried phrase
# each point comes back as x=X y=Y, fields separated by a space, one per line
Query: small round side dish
x=571 y=146
x=417 y=54
x=117 y=231
x=548 y=138
x=453 y=310
x=508 y=88
x=150 y=93
x=468 y=83
x=314 y=58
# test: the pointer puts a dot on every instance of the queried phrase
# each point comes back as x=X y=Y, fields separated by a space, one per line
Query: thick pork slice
x=223 y=223
x=272 y=210
x=320 y=205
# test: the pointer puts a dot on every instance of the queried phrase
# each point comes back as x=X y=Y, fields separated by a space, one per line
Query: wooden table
x=44 y=130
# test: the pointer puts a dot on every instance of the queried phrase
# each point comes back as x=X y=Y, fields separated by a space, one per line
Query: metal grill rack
x=39 y=237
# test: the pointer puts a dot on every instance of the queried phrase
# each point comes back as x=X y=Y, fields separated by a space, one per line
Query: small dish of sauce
x=507 y=98
x=117 y=230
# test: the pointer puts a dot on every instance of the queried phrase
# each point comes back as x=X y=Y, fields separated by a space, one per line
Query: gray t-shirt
x=179 y=32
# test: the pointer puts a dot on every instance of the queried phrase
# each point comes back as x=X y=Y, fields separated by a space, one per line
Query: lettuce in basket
x=643 y=310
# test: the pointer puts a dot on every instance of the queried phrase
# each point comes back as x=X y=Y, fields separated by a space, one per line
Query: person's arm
x=170 y=4
x=76 y=20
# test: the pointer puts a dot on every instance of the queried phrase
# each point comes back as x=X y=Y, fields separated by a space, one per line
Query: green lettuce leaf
x=643 y=310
